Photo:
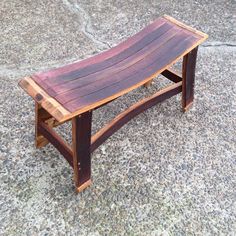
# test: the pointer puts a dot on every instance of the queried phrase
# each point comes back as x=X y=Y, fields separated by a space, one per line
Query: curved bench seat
x=87 y=84
x=71 y=92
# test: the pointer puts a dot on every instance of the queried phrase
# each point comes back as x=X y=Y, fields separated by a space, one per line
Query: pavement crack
x=218 y=44
x=86 y=26
x=23 y=70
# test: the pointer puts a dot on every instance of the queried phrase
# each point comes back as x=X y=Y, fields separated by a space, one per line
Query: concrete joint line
x=219 y=44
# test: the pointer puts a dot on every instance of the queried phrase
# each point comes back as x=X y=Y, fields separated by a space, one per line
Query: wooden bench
x=73 y=91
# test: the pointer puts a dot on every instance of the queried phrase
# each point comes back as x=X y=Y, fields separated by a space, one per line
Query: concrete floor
x=165 y=172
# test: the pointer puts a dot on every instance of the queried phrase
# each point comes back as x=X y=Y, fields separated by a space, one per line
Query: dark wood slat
x=97 y=67
x=141 y=65
x=102 y=135
x=171 y=75
x=56 y=141
x=164 y=58
x=126 y=67
x=189 y=66
x=101 y=56
x=81 y=134
x=90 y=93
x=110 y=71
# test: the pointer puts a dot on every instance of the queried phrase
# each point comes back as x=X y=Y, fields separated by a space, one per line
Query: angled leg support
x=188 y=74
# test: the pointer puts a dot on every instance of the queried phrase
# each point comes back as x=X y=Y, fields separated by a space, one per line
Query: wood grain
x=81 y=138
x=101 y=56
x=76 y=81
x=189 y=66
x=77 y=88
x=52 y=106
x=151 y=38
x=119 y=74
x=119 y=84
x=187 y=27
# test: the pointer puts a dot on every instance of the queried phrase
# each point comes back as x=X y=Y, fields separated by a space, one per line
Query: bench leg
x=40 y=116
x=188 y=74
x=81 y=138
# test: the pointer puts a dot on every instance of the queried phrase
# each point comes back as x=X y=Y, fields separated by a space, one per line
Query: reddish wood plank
x=121 y=74
x=120 y=70
x=109 y=73
x=108 y=63
x=163 y=58
x=101 y=56
x=52 y=106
